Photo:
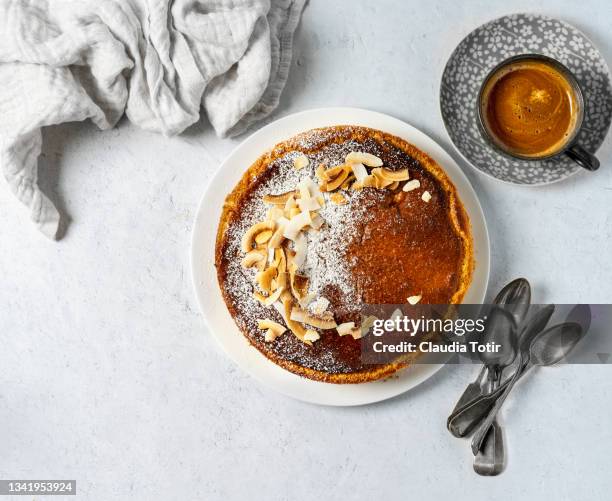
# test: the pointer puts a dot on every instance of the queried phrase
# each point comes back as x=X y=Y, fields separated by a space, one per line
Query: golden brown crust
x=304 y=143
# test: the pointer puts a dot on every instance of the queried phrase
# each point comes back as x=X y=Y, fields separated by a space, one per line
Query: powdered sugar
x=326 y=263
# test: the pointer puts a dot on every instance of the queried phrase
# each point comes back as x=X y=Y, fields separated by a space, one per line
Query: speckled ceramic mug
x=569 y=147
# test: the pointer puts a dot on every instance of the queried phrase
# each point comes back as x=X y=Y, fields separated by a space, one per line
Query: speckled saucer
x=496 y=41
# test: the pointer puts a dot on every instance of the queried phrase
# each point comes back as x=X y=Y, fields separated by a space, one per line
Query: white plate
x=217 y=317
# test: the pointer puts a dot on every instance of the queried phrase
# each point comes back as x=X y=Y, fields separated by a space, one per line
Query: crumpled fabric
x=159 y=62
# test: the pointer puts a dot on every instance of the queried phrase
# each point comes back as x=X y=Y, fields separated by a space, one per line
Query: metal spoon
x=581 y=314
x=547 y=348
x=536 y=324
x=490 y=459
x=554 y=344
x=466 y=417
x=462 y=422
x=502 y=335
x=515 y=297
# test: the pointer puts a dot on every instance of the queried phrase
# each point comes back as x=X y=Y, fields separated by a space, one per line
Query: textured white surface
x=108 y=376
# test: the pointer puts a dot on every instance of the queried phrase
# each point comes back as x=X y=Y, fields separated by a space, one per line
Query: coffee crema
x=530 y=108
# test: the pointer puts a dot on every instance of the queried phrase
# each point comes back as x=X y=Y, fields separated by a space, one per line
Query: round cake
x=329 y=221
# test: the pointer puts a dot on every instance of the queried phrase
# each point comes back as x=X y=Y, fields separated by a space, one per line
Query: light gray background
x=107 y=373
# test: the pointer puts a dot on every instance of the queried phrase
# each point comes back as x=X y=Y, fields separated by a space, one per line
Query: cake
x=326 y=222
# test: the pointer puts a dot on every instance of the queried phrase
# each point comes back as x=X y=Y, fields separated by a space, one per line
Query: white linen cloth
x=157 y=61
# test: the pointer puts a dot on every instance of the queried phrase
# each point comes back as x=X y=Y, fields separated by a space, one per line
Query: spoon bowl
x=537 y=323
x=516 y=292
x=555 y=344
x=500 y=332
x=516 y=298
x=548 y=347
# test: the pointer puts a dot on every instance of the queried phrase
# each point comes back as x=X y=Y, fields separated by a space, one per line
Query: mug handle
x=582 y=157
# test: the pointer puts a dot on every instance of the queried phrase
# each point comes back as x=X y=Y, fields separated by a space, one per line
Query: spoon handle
x=461 y=422
x=484 y=426
x=490 y=459
x=472 y=391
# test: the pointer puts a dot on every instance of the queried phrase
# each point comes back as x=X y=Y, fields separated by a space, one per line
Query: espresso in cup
x=531 y=107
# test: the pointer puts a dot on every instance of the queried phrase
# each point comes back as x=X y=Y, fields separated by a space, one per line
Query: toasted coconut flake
x=308 y=188
x=360 y=171
x=333 y=172
x=308 y=204
x=360 y=157
x=319 y=306
x=280 y=281
x=336 y=182
x=270 y=336
x=263 y=237
x=414 y=299
x=252 y=258
x=413 y=184
x=298 y=314
x=280 y=260
x=311 y=335
x=348 y=181
x=249 y=236
x=306 y=300
x=290 y=204
x=426 y=196
x=264 y=278
x=268 y=300
x=324 y=321
x=301 y=248
x=304 y=189
x=394 y=186
x=297 y=283
x=275 y=213
x=300 y=162
x=320 y=172
x=277 y=257
x=274 y=297
x=397 y=313
x=295 y=225
x=273 y=329
x=348 y=328
x=338 y=199
x=395 y=175
x=281 y=277
x=345 y=328
x=317 y=222
x=369 y=182
x=381 y=180
x=280 y=199
x=300 y=286
x=294 y=326
x=277 y=237
x=270 y=324
x=290 y=256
